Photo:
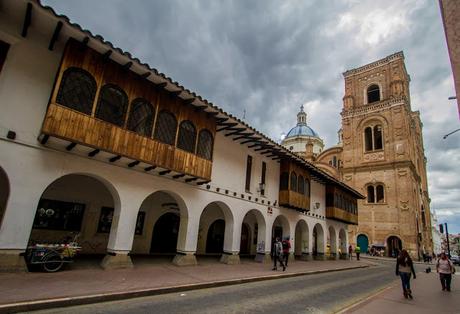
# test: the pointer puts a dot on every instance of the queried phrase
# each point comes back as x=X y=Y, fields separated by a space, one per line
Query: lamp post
x=447 y=236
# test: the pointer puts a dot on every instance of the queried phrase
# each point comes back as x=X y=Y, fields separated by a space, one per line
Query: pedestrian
x=277 y=254
x=404 y=269
x=445 y=268
x=286 y=247
x=357 y=251
x=350 y=252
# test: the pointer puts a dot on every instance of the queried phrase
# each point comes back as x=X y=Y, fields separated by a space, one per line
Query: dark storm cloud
x=269 y=57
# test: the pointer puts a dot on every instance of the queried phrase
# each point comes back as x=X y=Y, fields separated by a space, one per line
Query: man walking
x=277 y=254
x=350 y=252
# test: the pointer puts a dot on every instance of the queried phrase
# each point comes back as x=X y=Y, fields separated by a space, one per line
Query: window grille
x=307 y=187
x=187 y=136
x=112 y=105
x=77 y=90
x=165 y=128
x=204 y=147
x=368 y=138
x=293 y=181
x=141 y=117
x=378 y=142
x=301 y=185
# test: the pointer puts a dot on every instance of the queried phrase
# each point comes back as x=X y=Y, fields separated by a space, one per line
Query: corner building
x=95 y=142
x=381 y=154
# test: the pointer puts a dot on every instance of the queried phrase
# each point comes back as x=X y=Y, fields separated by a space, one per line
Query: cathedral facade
x=380 y=153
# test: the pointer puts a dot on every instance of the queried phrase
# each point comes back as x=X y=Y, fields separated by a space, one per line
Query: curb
x=104 y=297
x=366 y=300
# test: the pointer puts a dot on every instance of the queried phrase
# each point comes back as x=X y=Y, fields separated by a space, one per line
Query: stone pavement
x=81 y=285
x=428 y=298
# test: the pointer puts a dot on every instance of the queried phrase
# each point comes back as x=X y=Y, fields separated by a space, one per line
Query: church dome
x=301 y=129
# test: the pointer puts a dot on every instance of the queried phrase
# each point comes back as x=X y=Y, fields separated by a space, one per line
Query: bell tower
x=383 y=158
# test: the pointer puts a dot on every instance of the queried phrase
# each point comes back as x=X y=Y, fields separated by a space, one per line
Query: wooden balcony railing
x=341 y=215
x=294 y=200
x=83 y=129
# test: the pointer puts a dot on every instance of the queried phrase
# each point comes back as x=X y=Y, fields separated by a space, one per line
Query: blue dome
x=301 y=130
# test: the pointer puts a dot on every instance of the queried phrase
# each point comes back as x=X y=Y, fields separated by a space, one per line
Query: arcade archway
x=254 y=222
x=301 y=239
x=332 y=241
x=280 y=229
x=318 y=240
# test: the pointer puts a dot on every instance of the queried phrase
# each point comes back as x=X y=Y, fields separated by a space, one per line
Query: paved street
x=320 y=293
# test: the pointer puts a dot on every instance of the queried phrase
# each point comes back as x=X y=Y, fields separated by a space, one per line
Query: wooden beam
x=44 y=139
x=253 y=145
x=175 y=92
x=115 y=158
x=149 y=168
x=265 y=152
x=127 y=65
x=227 y=126
x=146 y=74
x=243 y=135
x=202 y=182
x=177 y=176
x=162 y=173
x=276 y=158
x=161 y=85
x=200 y=108
x=235 y=131
x=55 y=36
x=252 y=139
x=134 y=163
x=190 y=179
x=107 y=54
x=221 y=120
x=93 y=153
x=27 y=20
x=262 y=148
x=71 y=146
x=188 y=101
x=272 y=155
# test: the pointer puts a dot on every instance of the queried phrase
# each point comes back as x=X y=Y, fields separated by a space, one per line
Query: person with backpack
x=286 y=247
x=404 y=269
x=445 y=268
x=277 y=253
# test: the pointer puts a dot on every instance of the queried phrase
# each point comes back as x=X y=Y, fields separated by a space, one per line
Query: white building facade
x=114 y=177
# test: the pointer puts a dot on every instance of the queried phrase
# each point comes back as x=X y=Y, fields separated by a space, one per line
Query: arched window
x=187 y=136
x=204 y=147
x=370 y=194
x=378 y=143
x=307 y=187
x=141 y=117
x=284 y=181
x=301 y=185
x=112 y=105
x=293 y=181
x=165 y=128
x=368 y=138
x=77 y=90
x=373 y=138
x=380 y=194
x=373 y=93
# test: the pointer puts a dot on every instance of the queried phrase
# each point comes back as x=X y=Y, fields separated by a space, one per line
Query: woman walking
x=404 y=269
x=445 y=268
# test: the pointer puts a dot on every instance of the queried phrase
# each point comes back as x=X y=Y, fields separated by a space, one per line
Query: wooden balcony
x=294 y=200
x=341 y=215
x=79 y=128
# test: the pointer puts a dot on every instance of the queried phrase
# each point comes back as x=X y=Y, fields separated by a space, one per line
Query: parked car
x=455 y=259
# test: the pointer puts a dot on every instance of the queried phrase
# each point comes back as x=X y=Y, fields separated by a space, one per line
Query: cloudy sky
x=267 y=57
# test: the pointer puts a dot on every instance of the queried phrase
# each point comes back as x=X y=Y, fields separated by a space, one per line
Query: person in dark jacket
x=404 y=269
x=278 y=254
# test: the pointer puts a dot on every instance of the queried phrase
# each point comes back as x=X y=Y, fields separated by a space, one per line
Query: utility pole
x=447 y=237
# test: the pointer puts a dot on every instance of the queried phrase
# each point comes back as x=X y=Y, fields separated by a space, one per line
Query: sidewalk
x=428 y=298
x=28 y=291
